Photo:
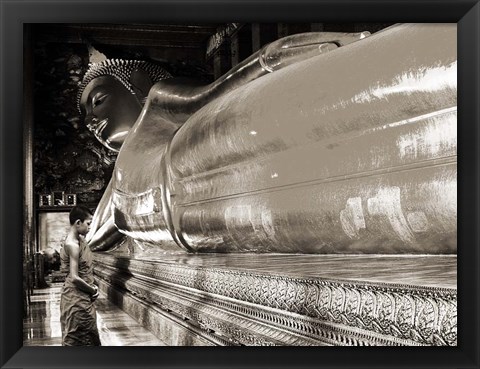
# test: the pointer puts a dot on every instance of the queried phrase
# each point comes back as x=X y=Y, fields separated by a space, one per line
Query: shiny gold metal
x=353 y=151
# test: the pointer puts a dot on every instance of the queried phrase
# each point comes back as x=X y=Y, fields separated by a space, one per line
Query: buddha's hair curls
x=122 y=70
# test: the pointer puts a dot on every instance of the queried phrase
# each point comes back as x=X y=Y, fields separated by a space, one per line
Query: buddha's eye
x=98 y=100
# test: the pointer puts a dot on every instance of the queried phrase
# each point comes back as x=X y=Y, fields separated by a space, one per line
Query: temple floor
x=42 y=325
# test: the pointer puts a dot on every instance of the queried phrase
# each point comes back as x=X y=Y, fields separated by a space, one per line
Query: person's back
x=85 y=266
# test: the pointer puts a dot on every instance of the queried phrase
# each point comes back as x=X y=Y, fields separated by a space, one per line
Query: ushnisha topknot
x=121 y=70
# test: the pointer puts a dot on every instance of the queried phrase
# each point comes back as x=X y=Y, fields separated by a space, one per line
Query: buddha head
x=112 y=94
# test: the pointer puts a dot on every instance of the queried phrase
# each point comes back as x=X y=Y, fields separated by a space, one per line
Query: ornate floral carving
x=384 y=313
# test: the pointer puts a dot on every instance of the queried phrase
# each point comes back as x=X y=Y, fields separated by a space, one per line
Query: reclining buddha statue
x=259 y=209
x=318 y=143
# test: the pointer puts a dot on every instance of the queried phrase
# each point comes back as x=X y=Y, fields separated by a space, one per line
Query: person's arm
x=74 y=252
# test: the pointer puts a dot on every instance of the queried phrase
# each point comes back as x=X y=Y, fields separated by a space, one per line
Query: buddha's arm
x=179 y=100
x=102 y=212
x=103 y=232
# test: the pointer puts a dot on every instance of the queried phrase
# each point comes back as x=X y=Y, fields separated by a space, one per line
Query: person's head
x=81 y=218
x=112 y=95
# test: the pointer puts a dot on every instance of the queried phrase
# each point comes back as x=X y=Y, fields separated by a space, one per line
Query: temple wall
x=187 y=300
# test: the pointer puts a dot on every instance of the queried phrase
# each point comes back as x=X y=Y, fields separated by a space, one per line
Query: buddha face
x=110 y=110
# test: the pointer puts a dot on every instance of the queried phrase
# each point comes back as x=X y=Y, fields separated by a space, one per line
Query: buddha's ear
x=141 y=83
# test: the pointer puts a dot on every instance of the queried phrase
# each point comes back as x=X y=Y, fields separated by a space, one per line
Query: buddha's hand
x=95 y=295
x=294 y=48
x=106 y=237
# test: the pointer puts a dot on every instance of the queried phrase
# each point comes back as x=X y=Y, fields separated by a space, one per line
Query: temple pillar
x=262 y=34
x=286 y=29
x=29 y=227
x=339 y=27
x=221 y=61
x=316 y=27
x=240 y=45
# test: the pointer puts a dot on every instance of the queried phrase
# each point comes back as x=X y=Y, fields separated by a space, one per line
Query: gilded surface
x=351 y=151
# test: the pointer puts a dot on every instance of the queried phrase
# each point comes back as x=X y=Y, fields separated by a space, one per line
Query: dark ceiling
x=162 y=42
x=172 y=43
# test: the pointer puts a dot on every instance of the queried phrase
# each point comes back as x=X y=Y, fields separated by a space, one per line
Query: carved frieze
x=310 y=310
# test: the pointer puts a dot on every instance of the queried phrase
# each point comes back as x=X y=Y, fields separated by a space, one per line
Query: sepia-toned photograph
x=242 y=184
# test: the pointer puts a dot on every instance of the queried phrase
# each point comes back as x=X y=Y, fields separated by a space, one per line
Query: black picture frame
x=14 y=13
x=70 y=199
x=58 y=198
x=45 y=199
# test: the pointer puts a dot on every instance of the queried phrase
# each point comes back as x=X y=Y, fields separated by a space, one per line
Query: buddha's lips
x=100 y=127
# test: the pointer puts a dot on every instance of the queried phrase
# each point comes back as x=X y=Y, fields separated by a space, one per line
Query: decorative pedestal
x=276 y=299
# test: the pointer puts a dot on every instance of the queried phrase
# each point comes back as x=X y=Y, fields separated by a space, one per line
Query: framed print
x=70 y=199
x=58 y=198
x=45 y=200
x=260 y=177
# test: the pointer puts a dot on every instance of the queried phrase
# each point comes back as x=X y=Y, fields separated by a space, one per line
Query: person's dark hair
x=79 y=212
